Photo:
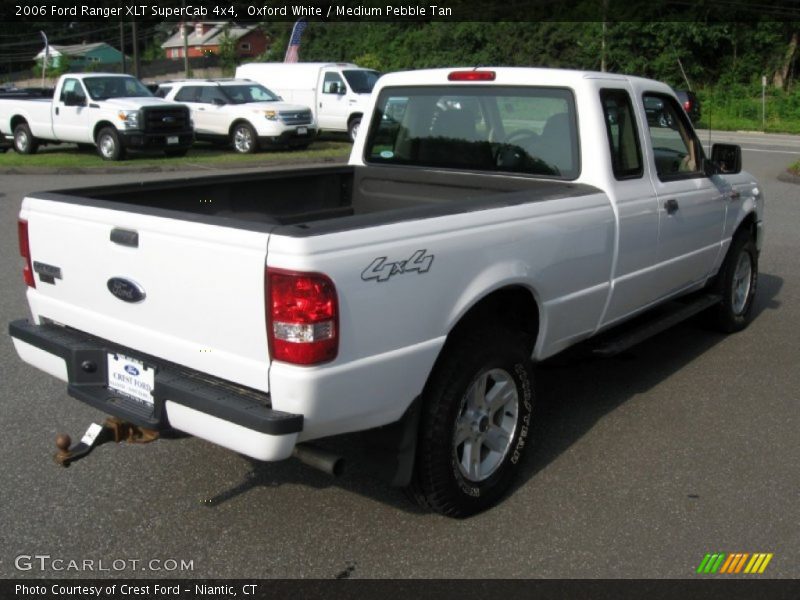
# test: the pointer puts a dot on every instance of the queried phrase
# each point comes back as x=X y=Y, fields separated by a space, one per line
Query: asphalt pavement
x=686 y=445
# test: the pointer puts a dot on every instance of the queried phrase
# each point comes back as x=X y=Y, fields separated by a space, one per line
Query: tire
x=457 y=426
x=244 y=139
x=352 y=128
x=24 y=142
x=737 y=283
x=176 y=152
x=108 y=144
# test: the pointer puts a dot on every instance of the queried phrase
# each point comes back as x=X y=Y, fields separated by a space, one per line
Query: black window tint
x=676 y=150
x=208 y=94
x=623 y=135
x=187 y=94
x=163 y=90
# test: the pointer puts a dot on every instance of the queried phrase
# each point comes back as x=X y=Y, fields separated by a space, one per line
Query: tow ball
x=112 y=430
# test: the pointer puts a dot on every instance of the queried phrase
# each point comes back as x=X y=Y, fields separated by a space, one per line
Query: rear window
x=485 y=128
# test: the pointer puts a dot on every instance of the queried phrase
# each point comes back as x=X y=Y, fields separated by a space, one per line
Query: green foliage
x=227 y=54
x=53 y=70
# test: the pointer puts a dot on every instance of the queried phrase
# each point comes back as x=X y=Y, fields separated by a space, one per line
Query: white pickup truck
x=488 y=219
x=111 y=112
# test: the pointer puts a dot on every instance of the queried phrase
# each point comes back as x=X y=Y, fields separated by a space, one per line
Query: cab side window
x=209 y=94
x=332 y=83
x=623 y=135
x=676 y=149
x=72 y=87
x=187 y=94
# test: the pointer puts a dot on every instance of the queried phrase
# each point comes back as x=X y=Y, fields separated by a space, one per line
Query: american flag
x=293 y=49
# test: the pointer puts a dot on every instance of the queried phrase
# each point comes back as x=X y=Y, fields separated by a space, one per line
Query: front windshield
x=103 y=88
x=361 y=81
x=251 y=92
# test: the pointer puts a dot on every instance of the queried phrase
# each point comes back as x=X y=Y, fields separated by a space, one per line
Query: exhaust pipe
x=320 y=459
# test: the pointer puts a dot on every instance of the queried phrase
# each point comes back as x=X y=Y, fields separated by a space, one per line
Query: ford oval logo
x=168 y=119
x=125 y=289
x=131 y=370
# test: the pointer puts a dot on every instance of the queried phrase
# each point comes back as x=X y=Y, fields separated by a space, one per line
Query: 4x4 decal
x=381 y=270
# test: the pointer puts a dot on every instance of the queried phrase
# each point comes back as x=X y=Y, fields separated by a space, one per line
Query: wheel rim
x=354 y=131
x=486 y=424
x=742 y=282
x=242 y=140
x=22 y=141
x=107 y=146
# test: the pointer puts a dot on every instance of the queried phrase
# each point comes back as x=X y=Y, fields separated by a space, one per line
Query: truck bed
x=312 y=201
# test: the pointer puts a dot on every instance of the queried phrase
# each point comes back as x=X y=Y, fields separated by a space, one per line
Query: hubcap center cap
x=483 y=424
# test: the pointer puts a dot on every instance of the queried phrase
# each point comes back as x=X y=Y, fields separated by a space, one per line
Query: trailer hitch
x=112 y=430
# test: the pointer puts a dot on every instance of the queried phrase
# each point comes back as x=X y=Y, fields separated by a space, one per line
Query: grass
x=200 y=155
x=794 y=168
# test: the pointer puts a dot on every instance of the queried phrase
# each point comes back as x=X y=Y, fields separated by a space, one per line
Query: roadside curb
x=789 y=177
x=111 y=170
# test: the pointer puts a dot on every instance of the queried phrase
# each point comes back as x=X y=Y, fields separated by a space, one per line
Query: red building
x=205 y=37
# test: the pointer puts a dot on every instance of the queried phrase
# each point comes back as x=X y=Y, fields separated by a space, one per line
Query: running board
x=628 y=338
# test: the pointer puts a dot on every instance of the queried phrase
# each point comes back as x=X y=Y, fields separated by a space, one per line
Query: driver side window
x=332 y=83
x=676 y=149
x=72 y=87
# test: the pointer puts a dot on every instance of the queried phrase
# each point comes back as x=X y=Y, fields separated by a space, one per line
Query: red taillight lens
x=302 y=317
x=25 y=251
x=471 y=76
x=687 y=106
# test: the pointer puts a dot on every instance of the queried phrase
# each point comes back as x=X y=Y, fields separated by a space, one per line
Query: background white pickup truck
x=489 y=219
x=242 y=113
x=114 y=113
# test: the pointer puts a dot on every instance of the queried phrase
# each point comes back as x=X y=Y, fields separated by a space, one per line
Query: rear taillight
x=302 y=317
x=25 y=251
x=687 y=106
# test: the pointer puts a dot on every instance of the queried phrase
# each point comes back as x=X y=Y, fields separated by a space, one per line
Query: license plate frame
x=131 y=378
x=302 y=131
x=173 y=139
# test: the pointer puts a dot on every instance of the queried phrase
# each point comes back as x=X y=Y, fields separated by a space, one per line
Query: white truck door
x=637 y=207
x=332 y=101
x=691 y=208
x=71 y=113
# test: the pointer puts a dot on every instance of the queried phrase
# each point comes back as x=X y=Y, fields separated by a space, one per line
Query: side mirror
x=341 y=89
x=727 y=157
x=218 y=102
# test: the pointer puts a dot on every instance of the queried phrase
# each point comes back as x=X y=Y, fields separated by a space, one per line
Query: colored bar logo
x=734 y=563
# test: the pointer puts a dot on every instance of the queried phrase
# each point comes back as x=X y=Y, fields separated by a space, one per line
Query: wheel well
x=353 y=117
x=17 y=120
x=747 y=224
x=239 y=122
x=99 y=126
x=511 y=307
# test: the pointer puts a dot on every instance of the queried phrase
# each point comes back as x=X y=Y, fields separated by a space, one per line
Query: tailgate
x=203 y=285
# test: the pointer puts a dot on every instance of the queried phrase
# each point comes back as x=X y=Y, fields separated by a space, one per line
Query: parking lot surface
x=687 y=444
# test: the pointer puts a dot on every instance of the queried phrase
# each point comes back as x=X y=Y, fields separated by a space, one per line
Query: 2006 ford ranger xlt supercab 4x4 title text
x=488 y=219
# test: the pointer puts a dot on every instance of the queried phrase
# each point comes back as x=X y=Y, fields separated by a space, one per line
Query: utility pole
x=135 y=49
x=603 y=38
x=185 y=50
x=122 y=44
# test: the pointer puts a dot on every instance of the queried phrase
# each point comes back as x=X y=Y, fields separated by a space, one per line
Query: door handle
x=671 y=206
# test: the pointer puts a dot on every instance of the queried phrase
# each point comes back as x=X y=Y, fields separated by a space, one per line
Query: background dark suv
x=690 y=104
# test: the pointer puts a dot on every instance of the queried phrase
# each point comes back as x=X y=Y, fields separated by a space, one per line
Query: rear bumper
x=139 y=140
x=237 y=418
